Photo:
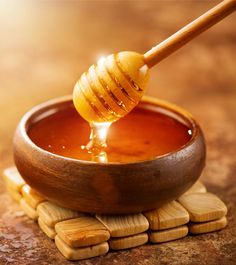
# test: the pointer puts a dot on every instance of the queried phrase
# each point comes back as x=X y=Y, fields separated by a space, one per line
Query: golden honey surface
x=142 y=134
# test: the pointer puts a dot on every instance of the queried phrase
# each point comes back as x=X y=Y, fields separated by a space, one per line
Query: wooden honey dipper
x=113 y=87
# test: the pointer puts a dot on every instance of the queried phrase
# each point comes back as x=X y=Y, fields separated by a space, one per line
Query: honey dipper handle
x=190 y=31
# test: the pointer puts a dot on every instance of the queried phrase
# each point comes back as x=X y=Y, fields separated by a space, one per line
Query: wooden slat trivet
x=29 y=211
x=32 y=197
x=126 y=231
x=168 y=234
x=81 y=253
x=206 y=227
x=49 y=231
x=124 y=225
x=13 y=179
x=117 y=243
x=82 y=232
x=170 y=215
x=203 y=207
x=15 y=195
x=52 y=214
x=197 y=187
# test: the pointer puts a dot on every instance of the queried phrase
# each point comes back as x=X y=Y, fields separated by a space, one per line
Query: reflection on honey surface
x=141 y=135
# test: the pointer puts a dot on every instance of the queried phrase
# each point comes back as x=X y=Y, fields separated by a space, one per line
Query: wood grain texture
x=128 y=242
x=124 y=225
x=197 y=187
x=190 y=31
x=13 y=178
x=32 y=197
x=170 y=215
x=15 y=195
x=49 y=231
x=81 y=253
x=74 y=235
x=28 y=210
x=82 y=231
x=52 y=214
x=203 y=207
x=168 y=234
x=206 y=227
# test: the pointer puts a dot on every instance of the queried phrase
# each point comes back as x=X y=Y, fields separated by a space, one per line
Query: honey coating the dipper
x=111 y=88
x=108 y=91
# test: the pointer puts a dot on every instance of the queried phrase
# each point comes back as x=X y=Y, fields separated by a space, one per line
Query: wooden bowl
x=112 y=188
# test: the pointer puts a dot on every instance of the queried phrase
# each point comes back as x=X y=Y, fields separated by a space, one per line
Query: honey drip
x=98 y=142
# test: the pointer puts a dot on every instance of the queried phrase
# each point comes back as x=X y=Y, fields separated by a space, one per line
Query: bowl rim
x=162 y=104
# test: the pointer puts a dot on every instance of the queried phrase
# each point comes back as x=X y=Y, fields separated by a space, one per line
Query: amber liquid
x=141 y=135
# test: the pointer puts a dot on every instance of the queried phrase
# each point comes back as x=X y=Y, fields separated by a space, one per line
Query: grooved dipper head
x=111 y=88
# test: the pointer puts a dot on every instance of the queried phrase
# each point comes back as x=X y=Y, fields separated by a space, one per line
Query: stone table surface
x=46 y=45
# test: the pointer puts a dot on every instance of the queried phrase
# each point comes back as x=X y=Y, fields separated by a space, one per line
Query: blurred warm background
x=46 y=45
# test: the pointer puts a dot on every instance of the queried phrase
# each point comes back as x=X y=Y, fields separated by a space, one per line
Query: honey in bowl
x=142 y=135
x=156 y=136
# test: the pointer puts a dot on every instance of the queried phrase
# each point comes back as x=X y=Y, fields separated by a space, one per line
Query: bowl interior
x=152 y=129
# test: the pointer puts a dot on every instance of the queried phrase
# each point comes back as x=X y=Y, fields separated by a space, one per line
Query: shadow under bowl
x=111 y=188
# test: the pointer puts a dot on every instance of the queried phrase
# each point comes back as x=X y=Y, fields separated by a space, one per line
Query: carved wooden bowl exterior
x=113 y=188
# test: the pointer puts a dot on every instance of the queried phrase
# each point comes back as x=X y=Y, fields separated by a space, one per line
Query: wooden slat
x=170 y=215
x=82 y=231
x=52 y=214
x=81 y=253
x=128 y=242
x=32 y=197
x=13 y=178
x=203 y=207
x=15 y=195
x=198 y=187
x=168 y=234
x=124 y=225
x=49 y=231
x=199 y=228
x=29 y=211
